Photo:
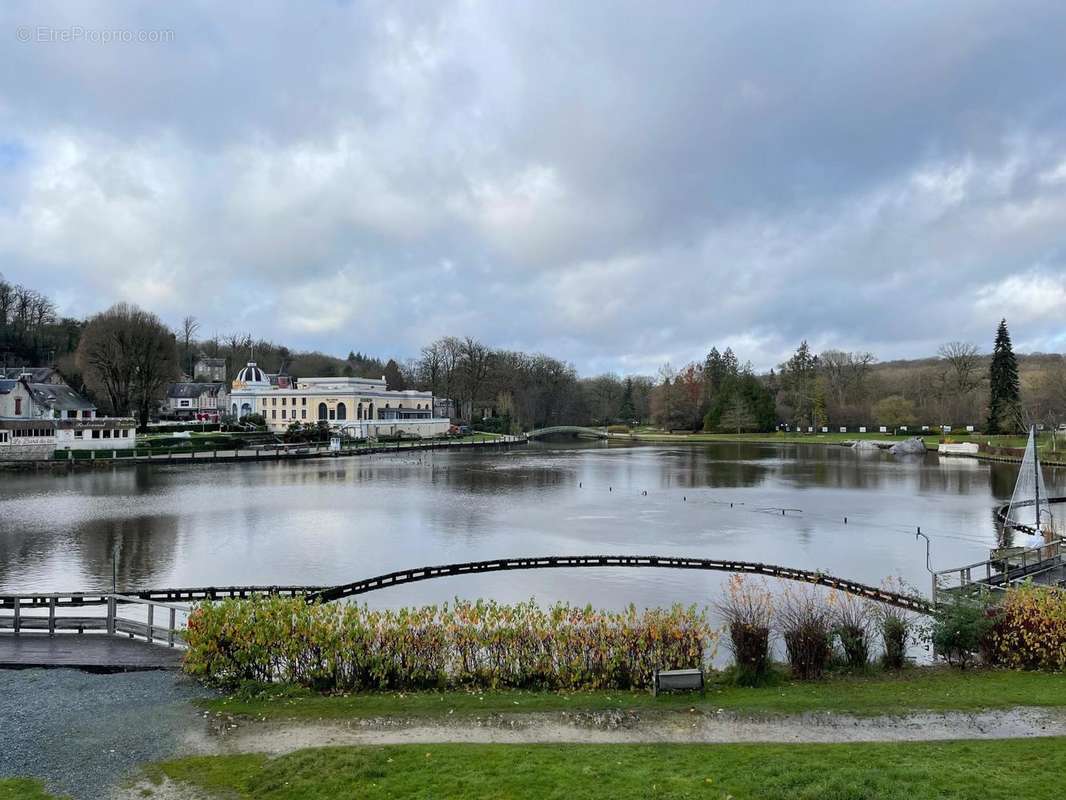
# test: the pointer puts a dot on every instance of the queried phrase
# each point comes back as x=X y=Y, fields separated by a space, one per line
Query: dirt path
x=229 y=735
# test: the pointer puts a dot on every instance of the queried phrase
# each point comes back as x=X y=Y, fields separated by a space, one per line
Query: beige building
x=357 y=407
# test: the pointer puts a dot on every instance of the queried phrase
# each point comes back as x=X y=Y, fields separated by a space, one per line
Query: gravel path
x=234 y=735
x=83 y=733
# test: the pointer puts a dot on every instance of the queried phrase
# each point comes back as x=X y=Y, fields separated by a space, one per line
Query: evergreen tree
x=1004 y=392
x=627 y=412
x=394 y=381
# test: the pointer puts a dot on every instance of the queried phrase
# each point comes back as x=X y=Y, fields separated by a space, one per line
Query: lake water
x=324 y=522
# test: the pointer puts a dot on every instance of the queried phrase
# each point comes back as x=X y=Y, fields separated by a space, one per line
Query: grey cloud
x=614 y=183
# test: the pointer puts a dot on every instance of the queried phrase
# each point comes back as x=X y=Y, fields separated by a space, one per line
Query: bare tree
x=128 y=356
x=189 y=327
x=964 y=364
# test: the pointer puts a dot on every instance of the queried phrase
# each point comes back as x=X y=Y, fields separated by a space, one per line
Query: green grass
x=24 y=789
x=990 y=770
x=917 y=689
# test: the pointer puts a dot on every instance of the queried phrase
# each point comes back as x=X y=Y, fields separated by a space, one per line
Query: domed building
x=357 y=407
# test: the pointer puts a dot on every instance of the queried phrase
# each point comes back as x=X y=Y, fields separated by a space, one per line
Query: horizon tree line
x=124 y=357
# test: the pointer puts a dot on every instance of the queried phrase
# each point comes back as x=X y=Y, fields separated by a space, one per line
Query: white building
x=358 y=407
x=37 y=419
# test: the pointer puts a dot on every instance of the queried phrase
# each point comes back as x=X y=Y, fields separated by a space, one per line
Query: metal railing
x=1001 y=571
x=162 y=622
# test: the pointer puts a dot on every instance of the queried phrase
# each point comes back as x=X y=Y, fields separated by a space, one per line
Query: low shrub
x=806 y=624
x=895 y=631
x=748 y=613
x=500 y=424
x=851 y=626
x=342 y=647
x=895 y=626
x=1028 y=630
x=960 y=631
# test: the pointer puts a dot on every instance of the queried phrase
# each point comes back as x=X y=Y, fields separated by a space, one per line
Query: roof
x=211 y=362
x=7 y=385
x=58 y=396
x=37 y=374
x=193 y=389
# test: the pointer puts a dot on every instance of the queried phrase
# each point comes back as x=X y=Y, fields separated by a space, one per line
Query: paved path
x=93 y=652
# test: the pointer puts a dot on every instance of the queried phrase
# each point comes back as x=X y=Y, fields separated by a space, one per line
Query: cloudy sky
x=617 y=184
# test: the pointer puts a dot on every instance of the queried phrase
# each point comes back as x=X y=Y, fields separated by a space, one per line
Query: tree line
x=1000 y=393
x=124 y=357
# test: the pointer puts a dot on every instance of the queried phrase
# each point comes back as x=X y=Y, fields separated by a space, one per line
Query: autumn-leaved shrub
x=1028 y=629
x=748 y=611
x=806 y=620
x=474 y=644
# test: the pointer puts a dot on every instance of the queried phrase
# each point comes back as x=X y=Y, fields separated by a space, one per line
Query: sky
x=617 y=184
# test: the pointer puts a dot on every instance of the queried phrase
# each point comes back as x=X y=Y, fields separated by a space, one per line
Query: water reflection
x=322 y=522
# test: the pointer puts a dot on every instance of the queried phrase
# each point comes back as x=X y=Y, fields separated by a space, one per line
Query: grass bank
x=917 y=689
x=24 y=789
x=990 y=770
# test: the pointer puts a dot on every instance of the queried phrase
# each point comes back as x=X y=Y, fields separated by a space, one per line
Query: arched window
x=359 y=411
x=234 y=409
x=322 y=412
x=246 y=409
x=370 y=411
x=342 y=411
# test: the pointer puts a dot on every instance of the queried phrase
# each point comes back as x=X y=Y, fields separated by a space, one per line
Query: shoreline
x=206 y=457
x=815 y=439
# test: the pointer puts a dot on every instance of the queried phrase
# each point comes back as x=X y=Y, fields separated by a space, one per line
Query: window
x=107 y=434
x=79 y=434
x=96 y=434
x=184 y=403
x=3 y=437
x=18 y=406
x=283 y=400
x=125 y=433
x=303 y=401
x=87 y=414
x=322 y=414
x=72 y=415
x=303 y=414
x=342 y=411
x=273 y=414
x=273 y=401
x=283 y=410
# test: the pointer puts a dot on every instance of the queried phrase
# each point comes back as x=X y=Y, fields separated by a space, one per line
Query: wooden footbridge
x=401 y=577
x=144 y=629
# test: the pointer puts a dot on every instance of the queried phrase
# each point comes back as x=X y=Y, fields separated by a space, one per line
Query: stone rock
x=908 y=447
x=866 y=444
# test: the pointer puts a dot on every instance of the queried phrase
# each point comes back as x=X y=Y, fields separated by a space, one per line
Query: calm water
x=328 y=522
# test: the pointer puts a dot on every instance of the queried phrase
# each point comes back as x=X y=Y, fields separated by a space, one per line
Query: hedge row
x=473 y=644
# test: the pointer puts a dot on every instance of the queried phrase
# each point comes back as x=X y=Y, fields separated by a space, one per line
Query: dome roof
x=251 y=374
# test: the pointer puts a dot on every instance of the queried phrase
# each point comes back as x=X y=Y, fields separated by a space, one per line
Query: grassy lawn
x=24 y=789
x=1030 y=769
x=915 y=689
